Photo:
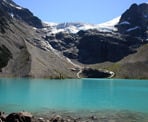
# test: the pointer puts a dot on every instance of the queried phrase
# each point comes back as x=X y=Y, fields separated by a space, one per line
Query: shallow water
x=73 y=95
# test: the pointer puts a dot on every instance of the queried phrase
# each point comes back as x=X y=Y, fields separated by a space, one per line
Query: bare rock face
x=5 y=55
x=134 y=21
x=4 y=19
x=20 y=13
x=92 y=46
x=96 y=48
x=92 y=73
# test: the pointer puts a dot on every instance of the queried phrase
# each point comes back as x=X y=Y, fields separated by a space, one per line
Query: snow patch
x=109 y=26
x=145 y=16
x=131 y=29
x=110 y=23
x=76 y=65
x=11 y=14
x=124 y=23
x=34 y=28
x=48 y=24
x=15 y=6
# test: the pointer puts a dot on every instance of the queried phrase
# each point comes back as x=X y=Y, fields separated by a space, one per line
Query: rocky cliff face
x=134 y=21
x=93 y=46
x=20 y=13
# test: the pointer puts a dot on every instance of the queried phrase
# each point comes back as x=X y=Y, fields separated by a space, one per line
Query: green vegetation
x=114 y=67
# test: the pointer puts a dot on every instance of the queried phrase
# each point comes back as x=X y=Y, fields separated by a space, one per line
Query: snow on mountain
x=49 y=24
x=110 y=23
x=131 y=29
x=124 y=23
x=76 y=27
x=109 y=26
x=67 y=27
x=17 y=7
x=12 y=4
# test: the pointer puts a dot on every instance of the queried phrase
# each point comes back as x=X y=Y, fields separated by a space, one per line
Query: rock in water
x=2 y=117
x=56 y=118
x=18 y=117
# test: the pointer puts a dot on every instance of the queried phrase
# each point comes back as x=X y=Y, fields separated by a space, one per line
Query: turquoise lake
x=73 y=95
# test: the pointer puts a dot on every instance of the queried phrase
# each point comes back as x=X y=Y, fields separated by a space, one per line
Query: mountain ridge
x=20 y=13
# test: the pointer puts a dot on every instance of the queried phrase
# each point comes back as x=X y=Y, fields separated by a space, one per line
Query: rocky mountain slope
x=30 y=47
x=22 y=53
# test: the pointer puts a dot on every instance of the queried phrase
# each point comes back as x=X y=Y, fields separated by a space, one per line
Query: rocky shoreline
x=104 y=116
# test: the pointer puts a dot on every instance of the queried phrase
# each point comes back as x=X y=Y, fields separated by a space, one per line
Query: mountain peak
x=12 y=4
x=20 y=13
x=134 y=21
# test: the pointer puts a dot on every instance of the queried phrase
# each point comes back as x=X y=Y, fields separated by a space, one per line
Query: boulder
x=2 y=117
x=56 y=118
x=19 y=117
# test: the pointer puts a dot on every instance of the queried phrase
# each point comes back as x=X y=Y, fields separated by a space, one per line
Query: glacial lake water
x=73 y=95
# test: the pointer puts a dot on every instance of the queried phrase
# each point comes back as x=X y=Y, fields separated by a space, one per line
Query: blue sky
x=88 y=11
